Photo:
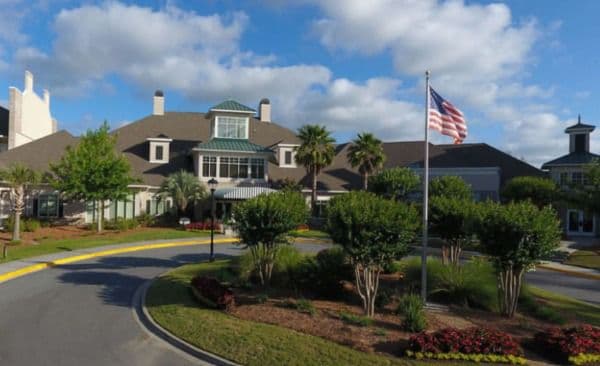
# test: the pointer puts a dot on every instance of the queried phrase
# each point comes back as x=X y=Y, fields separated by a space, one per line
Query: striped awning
x=241 y=193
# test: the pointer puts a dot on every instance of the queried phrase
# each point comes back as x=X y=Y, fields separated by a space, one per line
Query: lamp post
x=212 y=185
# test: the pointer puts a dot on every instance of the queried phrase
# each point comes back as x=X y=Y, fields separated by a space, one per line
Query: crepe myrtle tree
x=453 y=220
x=516 y=236
x=19 y=178
x=394 y=183
x=372 y=231
x=263 y=224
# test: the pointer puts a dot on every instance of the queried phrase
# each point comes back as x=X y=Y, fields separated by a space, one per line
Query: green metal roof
x=232 y=105
x=232 y=145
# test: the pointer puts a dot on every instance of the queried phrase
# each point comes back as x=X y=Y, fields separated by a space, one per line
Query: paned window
x=232 y=127
x=209 y=166
x=257 y=168
x=48 y=205
x=230 y=167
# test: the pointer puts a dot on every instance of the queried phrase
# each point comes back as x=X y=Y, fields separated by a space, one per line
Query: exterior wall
x=29 y=116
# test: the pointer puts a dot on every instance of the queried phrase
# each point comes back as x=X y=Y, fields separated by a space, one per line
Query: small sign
x=184 y=221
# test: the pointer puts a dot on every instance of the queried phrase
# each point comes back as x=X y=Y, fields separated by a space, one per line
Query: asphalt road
x=81 y=314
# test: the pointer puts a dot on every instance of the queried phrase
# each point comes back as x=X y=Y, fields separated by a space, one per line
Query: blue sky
x=520 y=70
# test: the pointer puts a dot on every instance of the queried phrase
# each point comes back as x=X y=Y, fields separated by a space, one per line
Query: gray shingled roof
x=575 y=158
x=40 y=153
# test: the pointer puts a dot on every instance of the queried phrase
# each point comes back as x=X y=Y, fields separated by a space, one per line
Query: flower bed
x=212 y=293
x=471 y=344
x=577 y=345
x=203 y=226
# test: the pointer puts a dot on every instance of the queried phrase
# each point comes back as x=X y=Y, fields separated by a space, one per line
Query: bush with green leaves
x=263 y=224
x=473 y=284
x=450 y=186
x=516 y=237
x=31 y=225
x=355 y=319
x=453 y=219
x=395 y=183
x=372 y=231
x=323 y=274
x=540 y=191
x=411 y=307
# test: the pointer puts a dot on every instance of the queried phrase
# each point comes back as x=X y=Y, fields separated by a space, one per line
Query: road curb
x=177 y=344
x=590 y=276
x=103 y=253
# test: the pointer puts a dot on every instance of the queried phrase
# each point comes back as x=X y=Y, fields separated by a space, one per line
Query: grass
x=565 y=305
x=584 y=258
x=170 y=303
x=48 y=246
x=310 y=234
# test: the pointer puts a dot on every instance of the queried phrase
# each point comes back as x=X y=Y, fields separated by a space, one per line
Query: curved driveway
x=81 y=313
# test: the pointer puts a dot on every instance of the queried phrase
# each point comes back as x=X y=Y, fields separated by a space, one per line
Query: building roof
x=3 y=121
x=38 y=154
x=232 y=106
x=238 y=145
x=580 y=127
x=574 y=158
x=241 y=193
x=190 y=130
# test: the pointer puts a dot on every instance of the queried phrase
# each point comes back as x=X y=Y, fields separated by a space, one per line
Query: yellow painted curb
x=571 y=273
x=40 y=266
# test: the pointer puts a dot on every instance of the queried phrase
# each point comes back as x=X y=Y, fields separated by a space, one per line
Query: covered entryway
x=580 y=223
x=225 y=198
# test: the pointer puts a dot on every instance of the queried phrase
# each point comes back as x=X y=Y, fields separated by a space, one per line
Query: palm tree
x=18 y=177
x=315 y=152
x=366 y=154
x=184 y=188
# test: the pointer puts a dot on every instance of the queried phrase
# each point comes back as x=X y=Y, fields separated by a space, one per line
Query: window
x=580 y=143
x=48 y=205
x=563 y=179
x=159 y=152
x=257 y=168
x=233 y=167
x=232 y=127
x=288 y=158
x=577 y=178
x=209 y=166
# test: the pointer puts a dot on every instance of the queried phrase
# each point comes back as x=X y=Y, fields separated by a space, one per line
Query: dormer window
x=159 y=149
x=287 y=156
x=230 y=127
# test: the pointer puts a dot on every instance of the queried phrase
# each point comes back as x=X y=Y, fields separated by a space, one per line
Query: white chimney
x=264 y=110
x=28 y=81
x=47 y=97
x=158 y=103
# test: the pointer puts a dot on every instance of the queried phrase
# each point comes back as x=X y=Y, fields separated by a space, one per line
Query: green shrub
x=31 y=225
x=120 y=224
x=411 y=307
x=323 y=274
x=262 y=298
x=472 y=284
x=146 y=220
x=354 y=319
x=384 y=297
x=286 y=268
x=9 y=222
x=305 y=306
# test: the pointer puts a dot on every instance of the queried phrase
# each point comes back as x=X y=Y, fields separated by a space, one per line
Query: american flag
x=446 y=118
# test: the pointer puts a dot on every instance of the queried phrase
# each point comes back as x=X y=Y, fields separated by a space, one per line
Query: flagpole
x=425 y=194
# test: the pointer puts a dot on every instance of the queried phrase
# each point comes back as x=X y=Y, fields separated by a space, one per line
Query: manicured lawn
x=567 y=306
x=310 y=234
x=47 y=246
x=585 y=258
x=171 y=304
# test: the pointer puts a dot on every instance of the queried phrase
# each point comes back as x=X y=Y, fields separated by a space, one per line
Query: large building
x=27 y=117
x=569 y=169
x=248 y=154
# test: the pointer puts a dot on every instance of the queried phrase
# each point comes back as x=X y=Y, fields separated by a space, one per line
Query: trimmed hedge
x=473 y=344
x=212 y=293
x=577 y=345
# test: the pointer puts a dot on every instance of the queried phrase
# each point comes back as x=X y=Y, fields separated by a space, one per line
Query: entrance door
x=580 y=223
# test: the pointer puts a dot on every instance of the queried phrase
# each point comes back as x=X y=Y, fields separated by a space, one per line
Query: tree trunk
x=4 y=251
x=455 y=251
x=509 y=289
x=365 y=181
x=99 y=216
x=17 y=227
x=19 y=205
x=313 y=197
x=367 y=284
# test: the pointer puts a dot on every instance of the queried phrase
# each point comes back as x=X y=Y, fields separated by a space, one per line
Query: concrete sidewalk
x=25 y=266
